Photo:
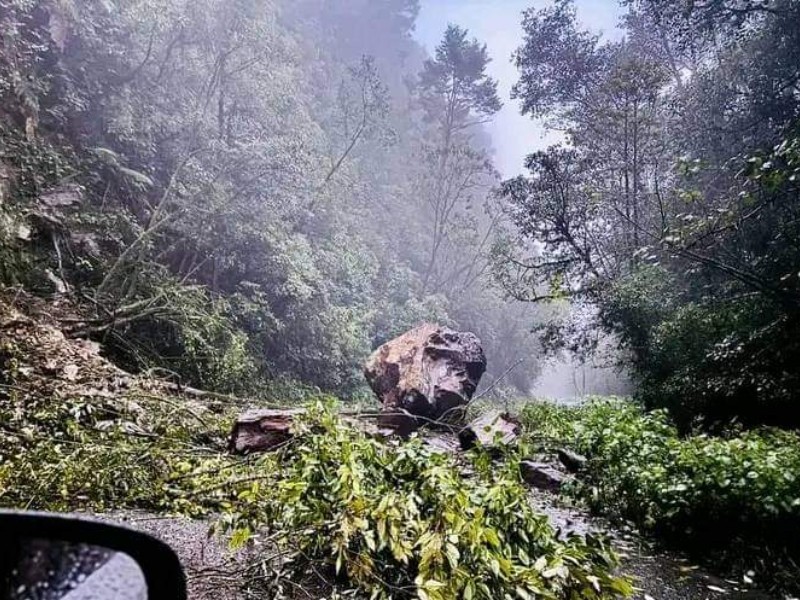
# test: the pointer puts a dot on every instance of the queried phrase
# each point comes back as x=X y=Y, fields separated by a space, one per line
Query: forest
x=216 y=205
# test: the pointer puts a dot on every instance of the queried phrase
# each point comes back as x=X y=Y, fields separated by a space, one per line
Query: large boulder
x=426 y=375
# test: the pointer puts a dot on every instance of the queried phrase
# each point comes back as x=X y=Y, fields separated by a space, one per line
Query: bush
x=393 y=521
x=742 y=485
x=400 y=521
x=704 y=357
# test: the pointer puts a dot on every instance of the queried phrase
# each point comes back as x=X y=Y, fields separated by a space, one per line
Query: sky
x=497 y=23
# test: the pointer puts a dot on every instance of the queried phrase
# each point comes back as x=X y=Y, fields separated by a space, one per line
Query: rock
x=541 y=475
x=261 y=429
x=7 y=178
x=573 y=461
x=86 y=243
x=65 y=195
x=439 y=442
x=70 y=372
x=23 y=232
x=427 y=374
x=265 y=429
x=491 y=429
x=60 y=286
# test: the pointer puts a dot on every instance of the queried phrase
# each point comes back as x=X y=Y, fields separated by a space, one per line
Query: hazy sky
x=497 y=23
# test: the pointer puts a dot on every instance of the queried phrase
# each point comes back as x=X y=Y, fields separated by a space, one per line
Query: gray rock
x=490 y=429
x=573 y=461
x=541 y=475
x=62 y=196
x=426 y=375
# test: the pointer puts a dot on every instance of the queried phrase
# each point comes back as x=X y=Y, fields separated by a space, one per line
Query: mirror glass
x=45 y=569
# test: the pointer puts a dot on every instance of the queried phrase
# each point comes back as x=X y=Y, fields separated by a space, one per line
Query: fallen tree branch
x=496 y=381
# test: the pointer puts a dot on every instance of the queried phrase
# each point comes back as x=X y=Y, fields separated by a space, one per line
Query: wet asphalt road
x=658 y=575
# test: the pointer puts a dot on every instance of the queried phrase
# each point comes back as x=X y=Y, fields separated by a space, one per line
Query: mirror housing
x=159 y=564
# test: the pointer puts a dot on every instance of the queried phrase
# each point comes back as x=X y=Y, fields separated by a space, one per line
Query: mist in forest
x=213 y=213
x=257 y=192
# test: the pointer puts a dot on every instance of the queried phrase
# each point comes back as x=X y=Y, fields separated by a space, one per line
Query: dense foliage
x=403 y=521
x=388 y=520
x=232 y=194
x=738 y=493
x=673 y=208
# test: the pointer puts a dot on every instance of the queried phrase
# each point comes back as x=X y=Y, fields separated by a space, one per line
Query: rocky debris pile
x=44 y=372
x=426 y=375
x=35 y=353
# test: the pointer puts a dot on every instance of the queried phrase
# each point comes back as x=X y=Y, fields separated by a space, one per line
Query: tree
x=587 y=207
x=674 y=209
x=456 y=95
x=454 y=90
x=557 y=62
x=363 y=111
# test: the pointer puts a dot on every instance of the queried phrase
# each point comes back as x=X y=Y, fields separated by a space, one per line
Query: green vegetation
x=239 y=193
x=249 y=196
x=402 y=521
x=674 y=208
x=390 y=520
x=738 y=493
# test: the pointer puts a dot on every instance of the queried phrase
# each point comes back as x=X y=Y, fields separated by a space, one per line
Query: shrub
x=391 y=520
x=400 y=521
x=742 y=485
x=68 y=453
x=706 y=357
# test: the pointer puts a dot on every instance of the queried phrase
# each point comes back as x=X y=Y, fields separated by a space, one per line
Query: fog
x=498 y=24
x=514 y=136
x=267 y=191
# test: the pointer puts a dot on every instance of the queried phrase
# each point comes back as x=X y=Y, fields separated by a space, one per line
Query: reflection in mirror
x=45 y=569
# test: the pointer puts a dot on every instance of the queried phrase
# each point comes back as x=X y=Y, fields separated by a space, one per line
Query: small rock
x=263 y=429
x=573 y=461
x=70 y=372
x=541 y=475
x=491 y=429
x=59 y=284
x=65 y=195
x=23 y=232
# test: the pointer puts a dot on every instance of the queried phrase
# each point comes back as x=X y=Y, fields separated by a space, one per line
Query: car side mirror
x=46 y=556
